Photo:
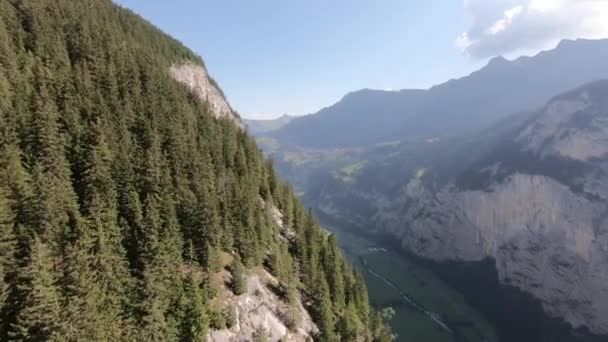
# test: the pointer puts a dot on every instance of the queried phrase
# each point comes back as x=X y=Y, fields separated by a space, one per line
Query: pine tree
x=381 y=332
x=40 y=317
x=107 y=166
x=54 y=207
x=286 y=274
x=99 y=275
x=334 y=269
x=239 y=285
x=7 y=247
x=350 y=325
x=322 y=310
x=160 y=254
x=195 y=322
x=16 y=212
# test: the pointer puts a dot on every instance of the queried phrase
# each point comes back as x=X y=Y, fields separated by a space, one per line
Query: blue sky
x=291 y=56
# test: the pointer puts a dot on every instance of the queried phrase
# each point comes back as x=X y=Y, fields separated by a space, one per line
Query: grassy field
x=423 y=286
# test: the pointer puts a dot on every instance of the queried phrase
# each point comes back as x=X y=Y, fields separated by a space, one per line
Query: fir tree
x=99 y=275
x=7 y=248
x=238 y=284
x=322 y=310
x=108 y=165
x=40 y=318
x=195 y=322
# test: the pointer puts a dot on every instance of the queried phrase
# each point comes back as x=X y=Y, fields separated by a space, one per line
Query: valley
x=426 y=307
x=376 y=187
x=489 y=215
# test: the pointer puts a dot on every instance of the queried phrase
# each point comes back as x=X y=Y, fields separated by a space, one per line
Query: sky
x=275 y=57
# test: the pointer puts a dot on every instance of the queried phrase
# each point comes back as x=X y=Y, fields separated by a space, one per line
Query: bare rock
x=197 y=79
x=260 y=308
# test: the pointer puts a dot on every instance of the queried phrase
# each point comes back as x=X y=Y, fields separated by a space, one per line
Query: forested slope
x=121 y=195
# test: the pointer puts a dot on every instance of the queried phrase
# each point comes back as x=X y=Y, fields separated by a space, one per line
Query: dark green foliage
x=120 y=192
x=322 y=311
x=229 y=314
x=39 y=318
x=7 y=246
x=194 y=322
x=381 y=331
x=239 y=282
x=217 y=321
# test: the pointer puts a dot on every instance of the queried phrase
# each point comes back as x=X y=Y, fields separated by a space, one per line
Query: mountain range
x=506 y=167
x=454 y=108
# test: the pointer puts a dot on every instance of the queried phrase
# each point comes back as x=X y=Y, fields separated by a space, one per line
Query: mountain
x=536 y=204
x=454 y=108
x=491 y=180
x=265 y=126
x=135 y=207
x=514 y=215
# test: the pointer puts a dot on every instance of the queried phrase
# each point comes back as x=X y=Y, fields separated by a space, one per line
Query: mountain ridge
x=522 y=84
x=542 y=229
x=507 y=164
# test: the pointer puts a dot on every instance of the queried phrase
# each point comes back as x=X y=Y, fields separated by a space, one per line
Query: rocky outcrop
x=546 y=240
x=260 y=309
x=196 y=78
x=571 y=127
x=544 y=224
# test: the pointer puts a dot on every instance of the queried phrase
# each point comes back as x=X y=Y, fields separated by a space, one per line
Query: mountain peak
x=498 y=60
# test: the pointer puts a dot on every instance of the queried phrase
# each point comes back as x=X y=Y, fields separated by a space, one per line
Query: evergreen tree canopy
x=119 y=190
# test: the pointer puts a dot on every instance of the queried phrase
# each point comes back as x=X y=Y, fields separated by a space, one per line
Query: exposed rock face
x=259 y=308
x=546 y=229
x=197 y=79
x=571 y=128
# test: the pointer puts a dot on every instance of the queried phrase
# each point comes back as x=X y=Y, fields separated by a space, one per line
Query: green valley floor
x=426 y=308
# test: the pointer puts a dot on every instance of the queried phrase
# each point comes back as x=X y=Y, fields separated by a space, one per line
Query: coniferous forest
x=121 y=194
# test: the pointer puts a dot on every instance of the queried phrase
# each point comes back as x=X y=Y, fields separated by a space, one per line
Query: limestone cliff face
x=198 y=80
x=546 y=240
x=260 y=309
x=540 y=211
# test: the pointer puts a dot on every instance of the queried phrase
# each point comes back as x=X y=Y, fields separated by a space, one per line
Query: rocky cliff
x=536 y=204
x=196 y=78
x=260 y=310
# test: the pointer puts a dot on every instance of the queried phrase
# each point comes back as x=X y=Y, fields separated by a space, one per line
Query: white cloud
x=502 y=24
x=504 y=27
x=463 y=42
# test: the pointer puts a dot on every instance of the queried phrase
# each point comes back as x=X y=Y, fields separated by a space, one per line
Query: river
x=426 y=308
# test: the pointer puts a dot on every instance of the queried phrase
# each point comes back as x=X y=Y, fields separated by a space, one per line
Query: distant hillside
x=457 y=107
x=535 y=203
x=265 y=126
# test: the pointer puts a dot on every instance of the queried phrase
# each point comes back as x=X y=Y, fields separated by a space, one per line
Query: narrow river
x=433 y=317
x=426 y=308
